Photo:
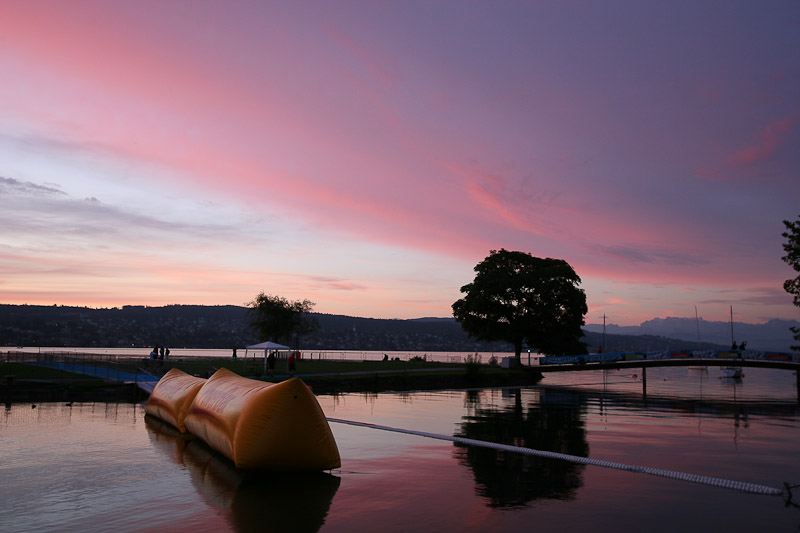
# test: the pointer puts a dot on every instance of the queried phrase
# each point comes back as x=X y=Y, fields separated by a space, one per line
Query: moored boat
x=731 y=372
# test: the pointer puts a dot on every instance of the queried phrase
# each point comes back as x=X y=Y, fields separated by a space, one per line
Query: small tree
x=518 y=298
x=275 y=317
x=792 y=258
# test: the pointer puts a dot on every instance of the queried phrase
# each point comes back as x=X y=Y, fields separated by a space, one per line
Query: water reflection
x=731 y=407
x=512 y=479
x=250 y=501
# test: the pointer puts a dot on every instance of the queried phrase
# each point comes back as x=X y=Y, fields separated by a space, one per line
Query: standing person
x=291 y=364
x=271 y=362
x=154 y=353
x=166 y=353
x=234 y=353
x=161 y=354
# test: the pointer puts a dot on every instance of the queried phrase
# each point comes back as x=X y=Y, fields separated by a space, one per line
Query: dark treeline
x=197 y=326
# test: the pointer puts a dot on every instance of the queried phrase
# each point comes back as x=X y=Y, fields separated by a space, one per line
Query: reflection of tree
x=472 y=399
x=509 y=479
x=250 y=501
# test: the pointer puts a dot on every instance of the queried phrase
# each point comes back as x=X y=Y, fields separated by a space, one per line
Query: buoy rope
x=742 y=486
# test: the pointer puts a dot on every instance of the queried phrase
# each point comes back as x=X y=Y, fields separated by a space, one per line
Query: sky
x=367 y=155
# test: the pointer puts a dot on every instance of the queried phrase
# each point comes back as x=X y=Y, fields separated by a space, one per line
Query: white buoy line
x=742 y=486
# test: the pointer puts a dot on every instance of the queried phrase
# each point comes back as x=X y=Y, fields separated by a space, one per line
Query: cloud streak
x=768 y=142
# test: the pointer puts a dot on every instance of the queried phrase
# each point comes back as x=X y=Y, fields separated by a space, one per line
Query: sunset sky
x=367 y=155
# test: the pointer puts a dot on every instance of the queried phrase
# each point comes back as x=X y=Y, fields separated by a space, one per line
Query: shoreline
x=81 y=389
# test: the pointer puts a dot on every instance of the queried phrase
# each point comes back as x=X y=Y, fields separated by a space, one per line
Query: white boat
x=731 y=372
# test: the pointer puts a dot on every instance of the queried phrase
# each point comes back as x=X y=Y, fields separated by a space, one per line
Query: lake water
x=105 y=467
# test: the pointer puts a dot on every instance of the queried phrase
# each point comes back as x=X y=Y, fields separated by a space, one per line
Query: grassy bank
x=23 y=382
x=370 y=376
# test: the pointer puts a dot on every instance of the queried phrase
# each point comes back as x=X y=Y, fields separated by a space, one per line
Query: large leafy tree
x=276 y=318
x=521 y=299
x=792 y=258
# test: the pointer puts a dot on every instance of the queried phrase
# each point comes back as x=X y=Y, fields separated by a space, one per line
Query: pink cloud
x=497 y=207
x=763 y=148
x=332 y=130
x=341 y=195
x=380 y=68
x=389 y=220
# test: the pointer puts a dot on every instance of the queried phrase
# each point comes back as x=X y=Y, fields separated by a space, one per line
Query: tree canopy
x=792 y=258
x=522 y=299
x=276 y=318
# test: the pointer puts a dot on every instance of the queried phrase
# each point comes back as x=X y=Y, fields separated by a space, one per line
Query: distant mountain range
x=770 y=336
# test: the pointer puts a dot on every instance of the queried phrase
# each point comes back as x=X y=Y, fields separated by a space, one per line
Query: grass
x=248 y=367
x=48 y=379
x=24 y=371
x=255 y=367
x=322 y=375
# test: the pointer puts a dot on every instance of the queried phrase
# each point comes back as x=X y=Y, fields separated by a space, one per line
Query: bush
x=473 y=364
x=473 y=359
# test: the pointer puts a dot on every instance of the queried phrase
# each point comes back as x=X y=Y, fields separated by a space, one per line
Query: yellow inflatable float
x=250 y=500
x=258 y=425
x=172 y=397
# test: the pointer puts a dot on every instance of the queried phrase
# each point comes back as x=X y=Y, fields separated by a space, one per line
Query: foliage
x=792 y=258
x=518 y=298
x=472 y=365
x=276 y=318
x=471 y=359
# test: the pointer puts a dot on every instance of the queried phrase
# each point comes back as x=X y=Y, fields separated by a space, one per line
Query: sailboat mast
x=697 y=321
x=731 y=325
x=604 y=333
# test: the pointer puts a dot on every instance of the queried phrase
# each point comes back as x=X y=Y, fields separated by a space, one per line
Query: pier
x=628 y=360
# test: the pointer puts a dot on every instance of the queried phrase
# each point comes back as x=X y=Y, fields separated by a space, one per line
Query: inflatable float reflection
x=249 y=500
x=257 y=425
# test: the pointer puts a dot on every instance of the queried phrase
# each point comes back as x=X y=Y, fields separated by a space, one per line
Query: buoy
x=257 y=425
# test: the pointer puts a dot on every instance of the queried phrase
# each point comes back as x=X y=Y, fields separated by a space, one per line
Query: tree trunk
x=518 y=352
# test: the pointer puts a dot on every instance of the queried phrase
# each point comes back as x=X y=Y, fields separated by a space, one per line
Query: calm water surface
x=105 y=467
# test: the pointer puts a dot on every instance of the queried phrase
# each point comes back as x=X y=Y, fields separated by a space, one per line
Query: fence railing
x=103 y=366
x=728 y=355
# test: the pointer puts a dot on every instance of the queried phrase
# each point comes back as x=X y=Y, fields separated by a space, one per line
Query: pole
x=697 y=321
x=604 y=333
x=644 y=381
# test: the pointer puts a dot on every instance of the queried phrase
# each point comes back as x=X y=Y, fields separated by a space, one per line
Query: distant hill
x=339 y=332
x=773 y=335
x=197 y=326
